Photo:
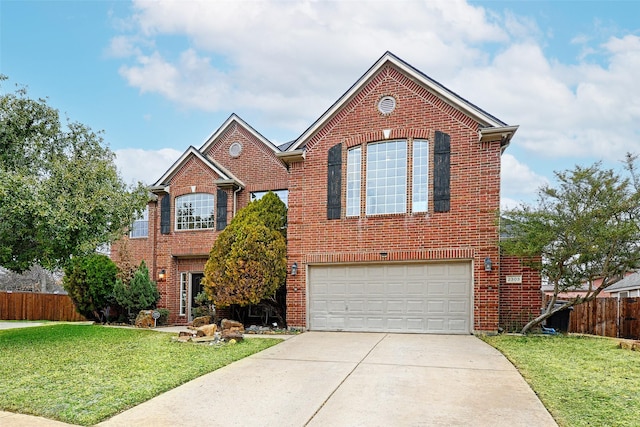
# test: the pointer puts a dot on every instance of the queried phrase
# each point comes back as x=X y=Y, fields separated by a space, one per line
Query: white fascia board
x=234 y=118
x=451 y=98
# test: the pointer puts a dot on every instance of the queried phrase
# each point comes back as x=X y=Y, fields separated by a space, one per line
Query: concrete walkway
x=353 y=379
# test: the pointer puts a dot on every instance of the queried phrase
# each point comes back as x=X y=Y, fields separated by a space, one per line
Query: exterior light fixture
x=488 y=265
x=294 y=269
x=162 y=275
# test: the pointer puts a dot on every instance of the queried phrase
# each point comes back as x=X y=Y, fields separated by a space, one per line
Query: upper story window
x=195 y=211
x=386 y=184
x=140 y=227
x=420 y=175
x=354 y=167
x=387 y=179
x=282 y=194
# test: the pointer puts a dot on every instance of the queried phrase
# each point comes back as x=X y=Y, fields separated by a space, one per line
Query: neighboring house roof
x=229 y=122
x=223 y=173
x=492 y=128
x=632 y=281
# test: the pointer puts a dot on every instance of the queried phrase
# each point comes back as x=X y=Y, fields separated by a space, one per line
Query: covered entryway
x=392 y=297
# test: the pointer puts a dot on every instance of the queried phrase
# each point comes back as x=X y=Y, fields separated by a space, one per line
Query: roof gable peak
x=234 y=119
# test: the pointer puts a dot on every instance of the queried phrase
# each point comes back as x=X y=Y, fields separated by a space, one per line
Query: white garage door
x=421 y=298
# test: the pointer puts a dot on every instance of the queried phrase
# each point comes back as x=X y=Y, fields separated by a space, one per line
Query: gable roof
x=234 y=119
x=485 y=119
x=632 y=281
x=223 y=173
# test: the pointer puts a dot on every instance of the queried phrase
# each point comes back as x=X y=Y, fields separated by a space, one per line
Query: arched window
x=195 y=211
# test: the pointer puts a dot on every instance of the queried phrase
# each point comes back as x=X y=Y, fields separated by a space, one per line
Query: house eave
x=290 y=157
x=228 y=184
x=502 y=134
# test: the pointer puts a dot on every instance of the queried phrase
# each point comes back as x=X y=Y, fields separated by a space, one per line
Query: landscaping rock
x=229 y=335
x=145 y=319
x=232 y=330
x=206 y=330
x=228 y=324
x=201 y=321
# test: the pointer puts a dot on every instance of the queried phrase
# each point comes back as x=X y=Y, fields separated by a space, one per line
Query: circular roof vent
x=387 y=104
x=235 y=149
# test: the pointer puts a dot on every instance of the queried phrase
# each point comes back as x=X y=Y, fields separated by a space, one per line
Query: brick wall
x=519 y=302
x=468 y=231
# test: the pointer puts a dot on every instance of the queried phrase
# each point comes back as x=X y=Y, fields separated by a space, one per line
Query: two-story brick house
x=393 y=197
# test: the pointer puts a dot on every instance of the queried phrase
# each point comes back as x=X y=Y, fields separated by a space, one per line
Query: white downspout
x=235 y=201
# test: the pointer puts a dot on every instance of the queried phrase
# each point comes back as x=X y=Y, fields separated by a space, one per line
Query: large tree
x=247 y=264
x=60 y=192
x=583 y=232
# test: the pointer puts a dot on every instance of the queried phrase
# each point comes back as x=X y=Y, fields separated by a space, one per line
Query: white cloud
x=291 y=60
x=144 y=165
x=519 y=182
x=287 y=62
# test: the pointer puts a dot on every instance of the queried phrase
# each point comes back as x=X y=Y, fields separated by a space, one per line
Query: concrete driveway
x=354 y=379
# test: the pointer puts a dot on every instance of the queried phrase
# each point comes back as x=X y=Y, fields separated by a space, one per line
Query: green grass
x=583 y=381
x=83 y=374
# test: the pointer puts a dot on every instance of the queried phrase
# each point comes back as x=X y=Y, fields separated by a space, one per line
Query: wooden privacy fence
x=35 y=306
x=608 y=317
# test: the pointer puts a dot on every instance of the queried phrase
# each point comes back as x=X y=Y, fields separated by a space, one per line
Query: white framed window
x=386 y=184
x=140 y=227
x=282 y=194
x=195 y=211
x=420 y=181
x=354 y=180
x=184 y=284
x=388 y=177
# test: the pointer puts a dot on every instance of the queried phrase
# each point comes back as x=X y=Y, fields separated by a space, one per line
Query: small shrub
x=89 y=281
x=141 y=293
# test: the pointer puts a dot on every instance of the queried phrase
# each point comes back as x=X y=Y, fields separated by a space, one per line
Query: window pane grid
x=195 y=211
x=420 y=175
x=354 y=160
x=386 y=177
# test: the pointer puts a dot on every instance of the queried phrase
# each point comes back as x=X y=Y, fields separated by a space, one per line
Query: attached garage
x=392 y=297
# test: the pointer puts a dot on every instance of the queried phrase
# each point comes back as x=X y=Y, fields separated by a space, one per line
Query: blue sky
x=160 y=76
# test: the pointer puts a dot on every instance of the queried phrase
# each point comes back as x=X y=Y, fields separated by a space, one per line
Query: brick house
x=393 y=197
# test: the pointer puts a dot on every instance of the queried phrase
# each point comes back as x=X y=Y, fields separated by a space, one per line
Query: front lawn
x=583 y=381
x=83 y=374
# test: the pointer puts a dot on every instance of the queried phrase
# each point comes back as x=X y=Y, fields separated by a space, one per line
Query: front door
x=195 y=288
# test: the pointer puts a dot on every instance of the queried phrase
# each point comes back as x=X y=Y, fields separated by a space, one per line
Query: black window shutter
x=334 y=182
x=221 y=209
x=441 y=172
x=165 y=214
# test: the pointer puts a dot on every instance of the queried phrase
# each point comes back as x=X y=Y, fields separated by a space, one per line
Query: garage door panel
x=355 y=289
x=375 y=306
x=415 y=306
x=435 y=307
x=457 y=288
x=420 y=298
x=395 y=306
x=395 y=289
x=375 y=288
x=395 y=324
x=457 y=307
x=436 y=289
x=415 y=288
